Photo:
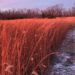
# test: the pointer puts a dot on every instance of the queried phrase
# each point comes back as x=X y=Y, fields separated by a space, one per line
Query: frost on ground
x=64 y=62
x=64 y=67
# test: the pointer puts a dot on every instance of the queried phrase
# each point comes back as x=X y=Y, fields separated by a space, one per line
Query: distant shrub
x=50 y=12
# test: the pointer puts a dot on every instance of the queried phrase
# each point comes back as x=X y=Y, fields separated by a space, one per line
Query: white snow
x=60 y=68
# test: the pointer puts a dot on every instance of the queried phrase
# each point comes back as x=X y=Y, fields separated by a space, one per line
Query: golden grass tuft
x=27 y=44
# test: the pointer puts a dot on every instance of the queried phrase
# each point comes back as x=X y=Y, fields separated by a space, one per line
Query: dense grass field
x=27 y=44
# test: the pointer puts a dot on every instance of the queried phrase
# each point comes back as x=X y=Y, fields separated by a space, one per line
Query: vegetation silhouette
x=50 y=12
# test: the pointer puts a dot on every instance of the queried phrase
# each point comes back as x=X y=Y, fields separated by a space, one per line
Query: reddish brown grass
x=26 y=45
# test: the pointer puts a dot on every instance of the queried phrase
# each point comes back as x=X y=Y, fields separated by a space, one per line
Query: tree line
x=50 y=12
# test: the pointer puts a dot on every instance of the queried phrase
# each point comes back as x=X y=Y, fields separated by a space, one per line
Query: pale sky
x=16 y=4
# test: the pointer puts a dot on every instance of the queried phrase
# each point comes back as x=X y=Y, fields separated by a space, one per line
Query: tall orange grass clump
x=26 y=45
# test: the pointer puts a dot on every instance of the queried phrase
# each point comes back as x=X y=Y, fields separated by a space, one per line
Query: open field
x=41 y=20
x=26 y=44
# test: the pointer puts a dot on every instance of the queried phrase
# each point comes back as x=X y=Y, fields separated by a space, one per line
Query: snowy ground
x=64 y=63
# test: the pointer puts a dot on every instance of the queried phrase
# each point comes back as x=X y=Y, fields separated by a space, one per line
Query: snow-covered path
x=64 y=63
